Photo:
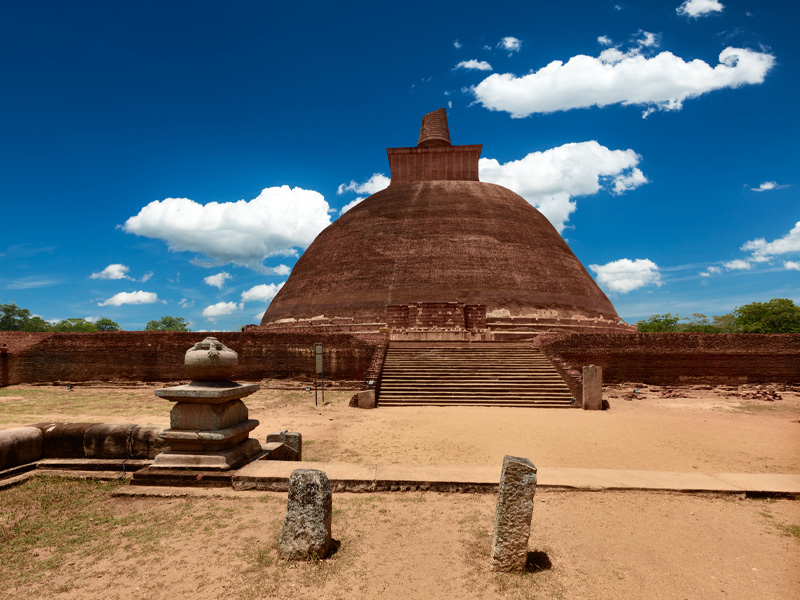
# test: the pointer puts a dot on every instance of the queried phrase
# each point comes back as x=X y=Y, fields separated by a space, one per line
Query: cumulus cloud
x=769 y=185
x=374 y=184
x=511 y=44
x=625 y=275
x=115 y=271
x=220 y=309
x=792 y=265
x=276 y=222
x=699 y=8
x=661 y=82
x=139 y=297
x=474 y=65
x=550 y=180
x=737 y=265
x=218 y=280
x=763 y=250
x=262 y=293
x=605 y=40
x=711 y=271
x=281 y=270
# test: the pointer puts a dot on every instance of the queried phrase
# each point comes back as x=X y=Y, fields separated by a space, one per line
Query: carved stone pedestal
x=209 y=424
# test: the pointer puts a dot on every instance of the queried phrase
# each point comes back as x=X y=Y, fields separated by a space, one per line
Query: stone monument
x=512 y=519
x=209 y=424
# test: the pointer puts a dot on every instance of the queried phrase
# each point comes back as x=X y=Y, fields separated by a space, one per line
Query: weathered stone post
x=512 y=517
x=306 y=532
x=592 y=387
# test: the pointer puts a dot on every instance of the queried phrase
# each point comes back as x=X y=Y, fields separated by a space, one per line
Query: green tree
x=73 y=326
x=168 y=324
x=659 y=323
x=107 y=325
x=779 y=315
x=13 y=318
x=37 y=324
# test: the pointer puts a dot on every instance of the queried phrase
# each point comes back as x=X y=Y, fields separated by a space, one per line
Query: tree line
x=779 y=315
x=14 y=318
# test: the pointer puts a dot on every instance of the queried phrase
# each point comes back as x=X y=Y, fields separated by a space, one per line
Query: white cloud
x=139 y=297
x=769 y=185
x=625 y=275
x=350 y=205
x=511 y=44
x=763 y=249
x=475 y=65
x=262 y=293
x=186 y=303
x=699 y=8
x=244 y=232
x=115 y=271
x=605 y=40
x=220 y=309
x=792 y=265
x=218 y=280
x=660 y=82
x=457 y=44
x=647 y=39
x=711 y=271
x=259 y=316
x=374 y=184
x=737 y=265
x=281 y=270
x=92 y=319
x=550 y=180
x=146 y=277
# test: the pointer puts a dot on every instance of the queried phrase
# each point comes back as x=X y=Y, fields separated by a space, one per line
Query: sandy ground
x=408 y=545
x=428 y=545
x=708 y=431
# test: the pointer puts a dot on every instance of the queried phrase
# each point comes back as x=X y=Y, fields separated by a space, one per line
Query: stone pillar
x=306 y=532
x=293 y=439
x=512 y=517
x=592 y=387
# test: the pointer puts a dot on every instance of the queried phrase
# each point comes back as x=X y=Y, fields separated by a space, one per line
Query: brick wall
x=475 y=316
x=452 y=163
x=674 y=358
x=158 y=356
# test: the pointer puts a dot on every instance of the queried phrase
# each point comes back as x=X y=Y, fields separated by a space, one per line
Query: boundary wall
x=158 y=356
x=676 y=358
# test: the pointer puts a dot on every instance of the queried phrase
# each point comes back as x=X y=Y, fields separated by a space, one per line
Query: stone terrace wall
x=675 y=358
x=158 y=356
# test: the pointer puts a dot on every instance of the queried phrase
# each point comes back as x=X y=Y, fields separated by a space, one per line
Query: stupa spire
x=434 y=131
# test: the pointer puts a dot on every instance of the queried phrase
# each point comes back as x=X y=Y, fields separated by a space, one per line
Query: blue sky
x=174 y=158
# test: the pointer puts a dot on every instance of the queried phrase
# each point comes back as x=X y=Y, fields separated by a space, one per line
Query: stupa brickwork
x=439 y=235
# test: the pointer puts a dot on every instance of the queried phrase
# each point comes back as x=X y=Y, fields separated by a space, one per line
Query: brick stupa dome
x=438 y=234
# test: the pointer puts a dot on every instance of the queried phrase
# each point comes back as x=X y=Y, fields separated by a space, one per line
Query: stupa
x=438 y=235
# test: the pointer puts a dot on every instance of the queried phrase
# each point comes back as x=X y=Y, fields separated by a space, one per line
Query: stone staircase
x=473 y=374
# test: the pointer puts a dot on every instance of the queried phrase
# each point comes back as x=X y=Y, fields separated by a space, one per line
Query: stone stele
x=209 y=424
x=512 y=518
x=306 y=532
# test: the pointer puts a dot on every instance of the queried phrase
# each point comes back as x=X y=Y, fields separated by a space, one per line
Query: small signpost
x=318 y=374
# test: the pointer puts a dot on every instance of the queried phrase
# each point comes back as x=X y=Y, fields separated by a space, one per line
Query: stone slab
x=202 y=416
x=223 y=460
x=592 y=387
x=273 y=476
x=366 y=399
x=611 y=479
x=63 y=440
x=763 y=483
x=293 y=439
x=208 y=392
x=216 y=435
